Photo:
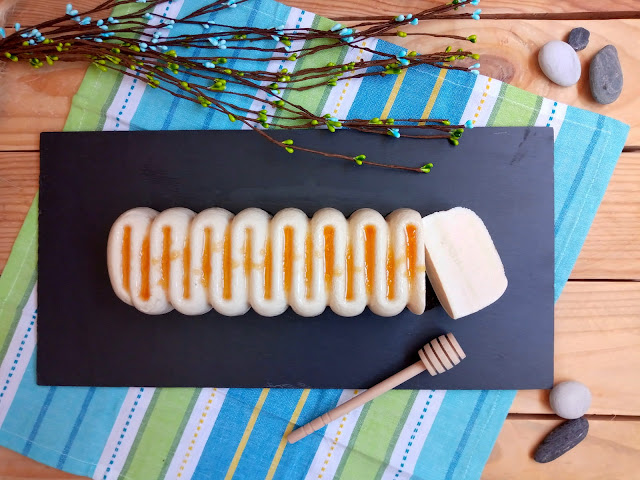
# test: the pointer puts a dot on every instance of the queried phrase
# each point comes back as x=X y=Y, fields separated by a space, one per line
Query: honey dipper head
x=441 y=354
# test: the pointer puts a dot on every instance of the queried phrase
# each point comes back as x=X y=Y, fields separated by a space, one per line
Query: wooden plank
x=612 y=248
x=32 y=11
x=338 y=10
x=18 y=185
x=611 y=450
x=39 y=100
x=597 y=341
x=35 y=101
x=14 y=466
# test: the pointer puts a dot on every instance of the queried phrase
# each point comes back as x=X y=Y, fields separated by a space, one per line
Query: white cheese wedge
x=462 y=262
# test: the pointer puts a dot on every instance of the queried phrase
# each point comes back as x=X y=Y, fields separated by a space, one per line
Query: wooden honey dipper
x=437 y=356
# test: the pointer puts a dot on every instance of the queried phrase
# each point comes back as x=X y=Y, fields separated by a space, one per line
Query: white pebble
x=560 y=63
x=570 y=399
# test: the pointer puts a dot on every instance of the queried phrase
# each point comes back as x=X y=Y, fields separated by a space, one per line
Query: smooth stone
x=579 y=38
x=560 y=63
x=570 y=399
x=561 y=439
x=605 y=75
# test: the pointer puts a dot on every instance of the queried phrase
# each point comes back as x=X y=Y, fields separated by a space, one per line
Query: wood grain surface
x=598 y=314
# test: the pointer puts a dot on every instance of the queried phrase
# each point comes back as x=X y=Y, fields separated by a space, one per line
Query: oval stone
x=605 y=75
x=570 y=399
x=561 y=439
x=579 y=38
x=560 y=63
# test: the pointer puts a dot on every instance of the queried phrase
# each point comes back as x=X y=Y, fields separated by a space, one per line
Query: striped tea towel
x=215 y=433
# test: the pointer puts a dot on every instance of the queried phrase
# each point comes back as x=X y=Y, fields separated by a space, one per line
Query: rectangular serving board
x=87 y=336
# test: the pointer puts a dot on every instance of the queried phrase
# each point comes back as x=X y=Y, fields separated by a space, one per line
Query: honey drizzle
x=288 y=258
x=350 y=271
x=391 y=273
x=369 y=257
x=145 y=267
x=186 y=267
x=329 y=257
x=412 y=252
x=248 y=234
x=226 y=265
x=206 y=258
x=126 y=258
x=268 y=271
x=166 y=257
x=308 y=265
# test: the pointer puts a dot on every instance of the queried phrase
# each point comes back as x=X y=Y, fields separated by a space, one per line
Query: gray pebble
x=560 y=63
x=570 y=399
x=579 y=38
x=605 y=75
x=561 y=439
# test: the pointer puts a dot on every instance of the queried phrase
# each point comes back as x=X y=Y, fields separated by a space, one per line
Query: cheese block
x=462 y=262
x=177 y=259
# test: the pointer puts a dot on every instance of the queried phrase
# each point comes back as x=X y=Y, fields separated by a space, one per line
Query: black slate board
x=86 y=336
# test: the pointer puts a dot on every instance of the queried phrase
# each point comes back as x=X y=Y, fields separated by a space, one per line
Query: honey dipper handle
x=357 y=401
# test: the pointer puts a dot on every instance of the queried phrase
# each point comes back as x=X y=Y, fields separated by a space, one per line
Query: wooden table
x=598 y=314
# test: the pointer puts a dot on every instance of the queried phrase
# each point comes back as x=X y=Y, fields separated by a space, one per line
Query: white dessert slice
x=462 y=262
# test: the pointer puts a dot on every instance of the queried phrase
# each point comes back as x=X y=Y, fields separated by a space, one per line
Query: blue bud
x=468 y=124
x=2 y=32
x=414 y=21
x=99 y=22
x=399 y=18
x=17 y=27
x=336 y=27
